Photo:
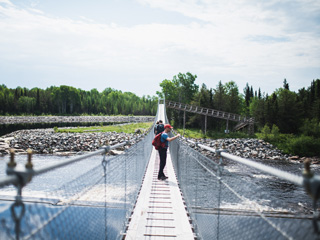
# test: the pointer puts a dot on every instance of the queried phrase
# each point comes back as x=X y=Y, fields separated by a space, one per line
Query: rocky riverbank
x=246 y=148
x=73 y=119
x=46 y=141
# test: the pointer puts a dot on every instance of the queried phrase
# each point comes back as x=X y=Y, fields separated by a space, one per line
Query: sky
x=133 y=45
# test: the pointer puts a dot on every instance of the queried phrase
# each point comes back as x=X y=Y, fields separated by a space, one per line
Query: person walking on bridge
x=160 y=127
x=163 y=150
x=155 y=128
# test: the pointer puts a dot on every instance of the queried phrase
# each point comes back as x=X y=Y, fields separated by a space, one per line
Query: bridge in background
x=207 y=112
x=95 y=196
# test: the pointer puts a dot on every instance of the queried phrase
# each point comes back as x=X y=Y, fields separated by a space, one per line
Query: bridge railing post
x=312 y=186
x=218 y=152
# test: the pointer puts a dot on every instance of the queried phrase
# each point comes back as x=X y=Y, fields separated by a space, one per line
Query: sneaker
x=164 y=178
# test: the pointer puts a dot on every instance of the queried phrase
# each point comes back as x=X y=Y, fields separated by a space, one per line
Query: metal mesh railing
x=94 y=198
x=229 y=200
x=88 y=199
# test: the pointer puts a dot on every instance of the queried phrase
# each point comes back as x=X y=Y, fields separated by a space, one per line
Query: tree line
x=289 y=111
x=66 y=100
x=284 y=110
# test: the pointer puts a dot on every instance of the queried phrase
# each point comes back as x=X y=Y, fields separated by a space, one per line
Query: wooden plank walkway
x=160 y=212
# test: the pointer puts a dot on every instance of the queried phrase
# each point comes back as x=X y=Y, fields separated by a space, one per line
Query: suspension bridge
x=208 y=112
x=94 y=196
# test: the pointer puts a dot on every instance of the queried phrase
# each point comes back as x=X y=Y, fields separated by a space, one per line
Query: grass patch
x=197 y=134
x=190 y=133
x=127 y=128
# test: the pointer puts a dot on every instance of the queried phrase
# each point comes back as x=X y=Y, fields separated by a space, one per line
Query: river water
x=289 y=193
x=47 y=197
x=285 y=196
x=246 y=203
x=286 y=206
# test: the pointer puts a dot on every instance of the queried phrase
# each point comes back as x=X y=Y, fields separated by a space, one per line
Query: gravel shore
x=46 y=141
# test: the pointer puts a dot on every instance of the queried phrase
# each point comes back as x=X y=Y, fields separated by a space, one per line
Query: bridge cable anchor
x=24 y=176
x=12 y=163
x=29 y=164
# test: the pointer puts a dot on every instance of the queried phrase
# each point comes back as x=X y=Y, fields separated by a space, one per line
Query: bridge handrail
x=20 y=175
x=298 y=180
x=192 y=108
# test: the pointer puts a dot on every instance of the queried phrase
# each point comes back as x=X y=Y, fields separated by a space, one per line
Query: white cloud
x=6 y=2
x=229 y=39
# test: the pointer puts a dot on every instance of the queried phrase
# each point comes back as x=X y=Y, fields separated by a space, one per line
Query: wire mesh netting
x=89 y=199
x=93 y=198
x=232 y=201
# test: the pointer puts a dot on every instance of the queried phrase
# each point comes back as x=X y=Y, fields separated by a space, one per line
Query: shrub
x=311 y=127
x=265 y=131
x=275 y=130
x=304 y=146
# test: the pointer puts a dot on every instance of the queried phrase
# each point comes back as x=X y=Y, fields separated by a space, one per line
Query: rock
x=66 y=119
x=294 y=158
x=66 y=153
x=245 y=148
x=115 y=152
x=8 y=139
x=44 y=141
x=4 y=145
x=20 y=151
x=254 y=153
x=138 y=131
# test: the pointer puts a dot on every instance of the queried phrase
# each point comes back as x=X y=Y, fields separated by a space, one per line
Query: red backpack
x=156 y=142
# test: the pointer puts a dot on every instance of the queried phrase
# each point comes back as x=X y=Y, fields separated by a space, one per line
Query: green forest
x=286 y=118
x=288 y=110
x=289 y=119
x=66 y=100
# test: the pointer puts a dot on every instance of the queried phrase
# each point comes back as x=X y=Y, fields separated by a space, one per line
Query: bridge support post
x=251 y=126
x=205 y=125
x=184 y=121
x=227 y=127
